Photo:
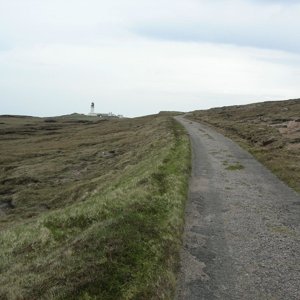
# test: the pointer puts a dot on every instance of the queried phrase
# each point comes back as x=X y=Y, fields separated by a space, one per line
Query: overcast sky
x=137 y=57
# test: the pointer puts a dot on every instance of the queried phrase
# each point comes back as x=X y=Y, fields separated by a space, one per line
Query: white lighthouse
x=92 y=108
x=101 y=115
x=92 y=112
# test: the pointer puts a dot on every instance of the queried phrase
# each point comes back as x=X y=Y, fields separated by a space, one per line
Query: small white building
x=102 y=115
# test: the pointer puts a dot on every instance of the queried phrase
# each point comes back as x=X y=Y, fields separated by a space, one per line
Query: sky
x=138 y=57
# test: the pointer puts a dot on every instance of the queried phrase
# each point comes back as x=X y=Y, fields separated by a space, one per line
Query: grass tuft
x=235 y=167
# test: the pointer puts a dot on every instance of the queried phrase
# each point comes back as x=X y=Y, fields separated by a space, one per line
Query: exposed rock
x=109 y=154
x=268 y=141
x=44 y=206
x=7 y=204
x=280 y=120
x=295 y=140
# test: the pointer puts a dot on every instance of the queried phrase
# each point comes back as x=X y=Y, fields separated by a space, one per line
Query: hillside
x=89 y=208
x=269 y=130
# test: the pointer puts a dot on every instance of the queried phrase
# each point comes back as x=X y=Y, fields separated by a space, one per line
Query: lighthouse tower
x=92 y=109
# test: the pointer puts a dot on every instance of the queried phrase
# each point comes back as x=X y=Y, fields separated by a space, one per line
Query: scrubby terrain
x=91 y=208
x=269 y=130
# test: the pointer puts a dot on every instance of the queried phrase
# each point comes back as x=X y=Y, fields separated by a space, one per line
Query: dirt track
x=242 y=233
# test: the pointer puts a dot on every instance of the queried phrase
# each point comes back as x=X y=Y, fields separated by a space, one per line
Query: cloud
x=137 y=57
x=140 y=77
x=272 y=26
x=265 y=24
x=283 y=2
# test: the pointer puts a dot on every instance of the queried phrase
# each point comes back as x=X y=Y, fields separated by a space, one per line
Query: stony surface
x=242 y=233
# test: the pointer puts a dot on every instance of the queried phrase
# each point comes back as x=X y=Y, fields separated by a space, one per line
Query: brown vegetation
x=91 y=209
x=269 y=130
x=49 y=163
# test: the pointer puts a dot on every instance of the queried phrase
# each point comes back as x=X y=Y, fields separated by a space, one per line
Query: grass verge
x=120 y=243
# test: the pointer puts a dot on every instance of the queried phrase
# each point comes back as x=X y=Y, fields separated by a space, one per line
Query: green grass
x=282 y=230
x=235 y=167
x=122 y=241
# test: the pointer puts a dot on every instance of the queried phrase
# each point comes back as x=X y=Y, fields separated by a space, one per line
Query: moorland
x=91 y=208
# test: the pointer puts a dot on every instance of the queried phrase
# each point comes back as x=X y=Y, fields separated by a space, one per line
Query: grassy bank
x=122 y=241
x=269 y=130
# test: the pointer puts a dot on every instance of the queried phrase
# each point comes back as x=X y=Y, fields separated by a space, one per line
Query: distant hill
x=170 y=113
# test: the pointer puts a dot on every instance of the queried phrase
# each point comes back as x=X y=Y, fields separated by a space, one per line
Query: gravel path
x=242 y=233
